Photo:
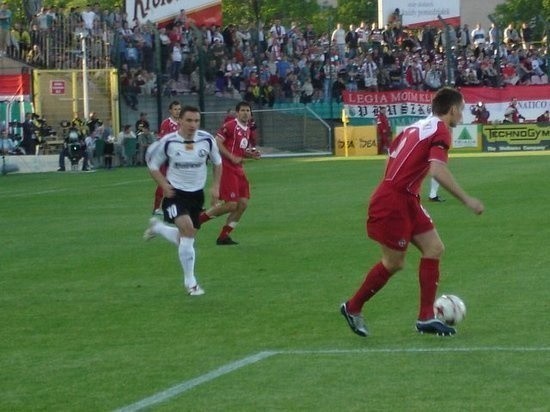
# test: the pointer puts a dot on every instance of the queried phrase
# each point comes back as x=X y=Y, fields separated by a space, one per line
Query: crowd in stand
x=277 y=63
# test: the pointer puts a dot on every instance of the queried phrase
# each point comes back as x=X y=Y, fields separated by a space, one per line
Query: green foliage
x=520 y=11
x=94 y=318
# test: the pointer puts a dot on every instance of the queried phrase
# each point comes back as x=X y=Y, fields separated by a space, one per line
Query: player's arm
x=155 y=158
x=158 y=177
x=216 y=159
x=225 y=152
x=440 y=172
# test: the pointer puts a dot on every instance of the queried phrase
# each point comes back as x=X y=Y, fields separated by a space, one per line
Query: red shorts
x=233 y=185
x=394 y=218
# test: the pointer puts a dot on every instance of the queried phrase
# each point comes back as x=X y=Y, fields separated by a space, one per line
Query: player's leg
x=159 y=193
x=217 y=210
x=431 y=247
x=243 y=190
x=232 y=221
x=229 y=189
x=434 y=188
x=391 y=262
x=186 y=252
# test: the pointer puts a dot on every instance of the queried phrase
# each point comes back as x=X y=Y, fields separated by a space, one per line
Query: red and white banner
x=15 y=87
x=201 y=12
x=403 y=106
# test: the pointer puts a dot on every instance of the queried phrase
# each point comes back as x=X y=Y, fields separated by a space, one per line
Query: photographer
x=480 y=113
x=73 y=147
x=41 y=131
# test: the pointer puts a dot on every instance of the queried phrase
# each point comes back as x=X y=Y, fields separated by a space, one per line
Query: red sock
x=375 y=280
x=428 y=277
x=159 y=194
x=226 y=230
x=203 y=217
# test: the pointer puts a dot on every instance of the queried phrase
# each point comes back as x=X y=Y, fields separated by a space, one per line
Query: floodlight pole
x=85 y=96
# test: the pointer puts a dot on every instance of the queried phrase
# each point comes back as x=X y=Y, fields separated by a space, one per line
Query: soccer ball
x=450 y=309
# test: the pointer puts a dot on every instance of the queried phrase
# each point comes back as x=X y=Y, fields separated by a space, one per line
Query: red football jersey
x=168 y=125
x=412 y=151
x=236 y=138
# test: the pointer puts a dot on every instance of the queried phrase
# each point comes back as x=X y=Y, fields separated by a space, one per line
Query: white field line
x=59 y=190
x=190 y=384
x=185 y=386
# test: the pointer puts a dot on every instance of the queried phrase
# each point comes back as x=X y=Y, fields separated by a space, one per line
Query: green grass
x=94 y=319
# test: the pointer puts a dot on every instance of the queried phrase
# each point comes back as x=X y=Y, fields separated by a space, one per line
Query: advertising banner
x=406 y=106
x=515 y=137
x=361 y=141
x=201 y=12
x=420 y=13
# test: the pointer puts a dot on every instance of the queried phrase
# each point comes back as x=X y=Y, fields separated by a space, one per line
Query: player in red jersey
x=396 y=218
x=168 y=125
x=383 y=131
x=236 y=141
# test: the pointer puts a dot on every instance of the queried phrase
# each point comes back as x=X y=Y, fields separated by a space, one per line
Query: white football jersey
x=186 y=159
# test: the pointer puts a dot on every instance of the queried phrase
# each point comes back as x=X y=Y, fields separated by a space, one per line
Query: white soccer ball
x=450 y=309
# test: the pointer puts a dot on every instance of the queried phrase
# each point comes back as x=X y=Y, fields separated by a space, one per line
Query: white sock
x=170 y=233
x=232 y=225
x=186 y=253
x=434 y=187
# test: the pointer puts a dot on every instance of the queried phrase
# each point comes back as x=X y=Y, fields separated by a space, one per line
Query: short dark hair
x=174 y=103
x=242 y=104
x=445 y=99
x=191 y=109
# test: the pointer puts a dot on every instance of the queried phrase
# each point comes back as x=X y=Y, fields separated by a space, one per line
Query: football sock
x=434 y=187
x=186 y=253
x=159 y=194
x=171 y=234
x=227 y=229
x=374 y=281
x=203 y=217
x=428 y=277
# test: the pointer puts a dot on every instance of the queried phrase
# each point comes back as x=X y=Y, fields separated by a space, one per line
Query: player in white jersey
x=186 y=152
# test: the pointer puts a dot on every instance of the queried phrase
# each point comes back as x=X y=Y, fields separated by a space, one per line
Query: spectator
x=526 y=35
x=480 y=113
x=88 y=17
x=176 y=58
x=352 y=39
x=5 y=27
x=145 y=139
x=544 y=118
x=478 y=36
x=338 y=38
x=511 y=35
x=512 y=115
x=434 y=76
x=109 y=152
x=370 y=73
x=7 y=145
x=121 y=145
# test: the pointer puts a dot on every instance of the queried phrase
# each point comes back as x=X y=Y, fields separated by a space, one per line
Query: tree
x=520 y=11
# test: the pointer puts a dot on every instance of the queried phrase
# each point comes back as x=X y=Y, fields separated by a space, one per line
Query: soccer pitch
x=95 y=319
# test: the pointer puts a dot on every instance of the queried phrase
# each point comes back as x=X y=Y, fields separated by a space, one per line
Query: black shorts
x=184 y=203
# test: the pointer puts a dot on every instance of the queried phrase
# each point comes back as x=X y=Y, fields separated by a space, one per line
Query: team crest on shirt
x=402 y=243
x=203 y=153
